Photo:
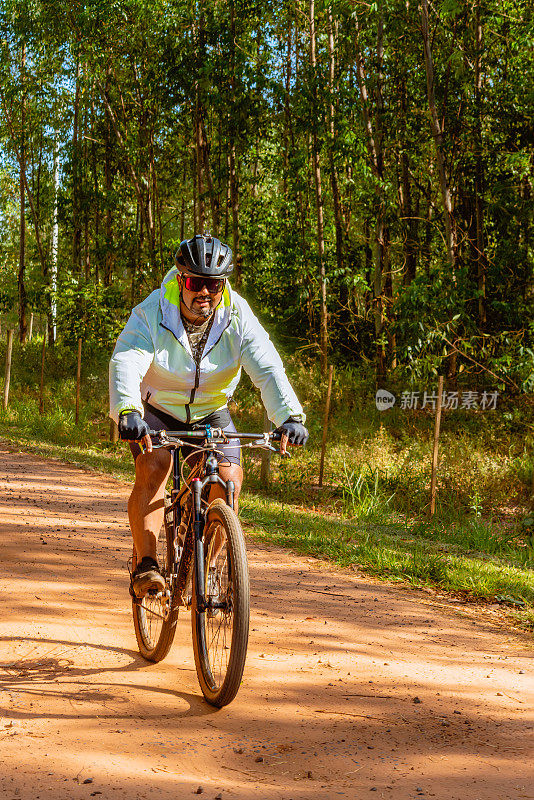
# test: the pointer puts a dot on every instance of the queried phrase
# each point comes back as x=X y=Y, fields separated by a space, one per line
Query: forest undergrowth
x=372 y=511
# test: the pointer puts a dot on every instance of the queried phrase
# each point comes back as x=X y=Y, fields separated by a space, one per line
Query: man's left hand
x=292 y=432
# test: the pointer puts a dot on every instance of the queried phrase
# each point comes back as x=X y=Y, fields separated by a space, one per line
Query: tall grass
x=391 y=551
x=362 y=493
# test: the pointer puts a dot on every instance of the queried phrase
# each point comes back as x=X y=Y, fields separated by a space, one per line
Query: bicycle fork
x=198 y=530
x=197 y=485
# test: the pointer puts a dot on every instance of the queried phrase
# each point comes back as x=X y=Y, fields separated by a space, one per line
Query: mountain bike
x=202 y=557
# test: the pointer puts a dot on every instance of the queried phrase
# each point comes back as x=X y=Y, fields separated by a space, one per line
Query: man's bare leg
x=146 y=503
x=145 y=506
x=230 y=472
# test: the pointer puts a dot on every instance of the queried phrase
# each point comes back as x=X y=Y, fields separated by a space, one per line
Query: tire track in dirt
x=351 y=686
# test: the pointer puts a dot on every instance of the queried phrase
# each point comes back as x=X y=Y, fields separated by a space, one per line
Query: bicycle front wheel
x=155 y=616
x=220 y=633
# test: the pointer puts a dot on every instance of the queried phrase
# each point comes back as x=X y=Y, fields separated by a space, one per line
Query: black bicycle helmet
x=205 y=255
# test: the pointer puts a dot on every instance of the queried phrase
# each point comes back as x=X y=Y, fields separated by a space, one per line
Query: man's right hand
x=132 y=426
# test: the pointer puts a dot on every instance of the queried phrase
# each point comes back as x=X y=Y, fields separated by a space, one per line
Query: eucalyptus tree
x=369 y=163
x=31 y=94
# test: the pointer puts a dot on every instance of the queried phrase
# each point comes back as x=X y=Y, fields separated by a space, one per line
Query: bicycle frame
x=210 y=467
x=203 y=473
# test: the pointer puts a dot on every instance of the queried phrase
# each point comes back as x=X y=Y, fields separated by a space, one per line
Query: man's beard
x=205 y=312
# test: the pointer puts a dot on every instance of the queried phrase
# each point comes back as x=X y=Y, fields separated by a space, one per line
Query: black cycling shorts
x=161 y=421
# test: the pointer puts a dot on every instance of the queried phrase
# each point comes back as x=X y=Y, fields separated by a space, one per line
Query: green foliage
x=93 y=314
x=122 y=112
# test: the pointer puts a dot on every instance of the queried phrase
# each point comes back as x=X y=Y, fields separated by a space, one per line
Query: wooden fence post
x=8 y=366
x=437 y=423
x=78 y=380
x=41 y=389
x=113 y=431
x=265 y=454
x=325 y=423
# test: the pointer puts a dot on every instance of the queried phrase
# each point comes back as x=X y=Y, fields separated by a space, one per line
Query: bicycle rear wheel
x=220 y=634
x=155 y=616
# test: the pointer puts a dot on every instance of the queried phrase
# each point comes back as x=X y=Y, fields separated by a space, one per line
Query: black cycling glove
x=295 y=430
x=132 y=426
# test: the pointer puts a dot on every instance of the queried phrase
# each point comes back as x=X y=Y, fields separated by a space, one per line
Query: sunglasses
x=195 y=283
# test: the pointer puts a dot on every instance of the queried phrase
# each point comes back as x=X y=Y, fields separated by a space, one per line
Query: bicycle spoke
x=220 y=632
x=154 y=614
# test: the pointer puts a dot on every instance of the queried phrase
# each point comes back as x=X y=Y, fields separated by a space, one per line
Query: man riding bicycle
x=176 y=364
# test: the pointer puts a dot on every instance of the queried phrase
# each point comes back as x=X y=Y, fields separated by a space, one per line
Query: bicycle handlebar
x=217 y=434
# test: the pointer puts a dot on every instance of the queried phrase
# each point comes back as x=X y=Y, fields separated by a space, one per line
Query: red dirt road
x=352 y=689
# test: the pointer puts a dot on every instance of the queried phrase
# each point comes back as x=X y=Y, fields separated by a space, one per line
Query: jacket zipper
x=192 y=397
x=197 y=371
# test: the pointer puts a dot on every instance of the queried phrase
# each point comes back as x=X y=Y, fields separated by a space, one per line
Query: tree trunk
x=234 y=194
x=182 y=219
x=87 y=204
x=410 y=224
x=429 y=224
x=24 y=180
x=108 y=183
x=332 y=130
x=136 y=181
x=214 y=200
x=437 y=133
x=36 y=188
x=196 y=223
x=151 y=211
x=323 y=330
x=228 y=198
x=410 y=242
x=136 y=254
x=23 y=327
x=374 y=147
x=479 y=176
x=76 y=224
x=525 y=237
x=52 y=309
x=157 y=207
x=198 y=163
x=287 y=110
x=234 y=178
x=96 y=192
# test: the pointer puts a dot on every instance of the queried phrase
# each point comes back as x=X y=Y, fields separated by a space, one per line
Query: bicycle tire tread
x=168 y=628
x=232 y=680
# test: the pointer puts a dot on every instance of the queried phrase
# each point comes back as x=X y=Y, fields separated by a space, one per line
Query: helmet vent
x=205 y=255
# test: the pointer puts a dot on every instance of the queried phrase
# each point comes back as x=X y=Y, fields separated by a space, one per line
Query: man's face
x=199 y=299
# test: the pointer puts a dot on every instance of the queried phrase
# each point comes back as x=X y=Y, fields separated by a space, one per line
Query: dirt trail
x=351 y=686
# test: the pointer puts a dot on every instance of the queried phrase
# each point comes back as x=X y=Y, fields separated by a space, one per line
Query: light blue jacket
x=152 y=360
